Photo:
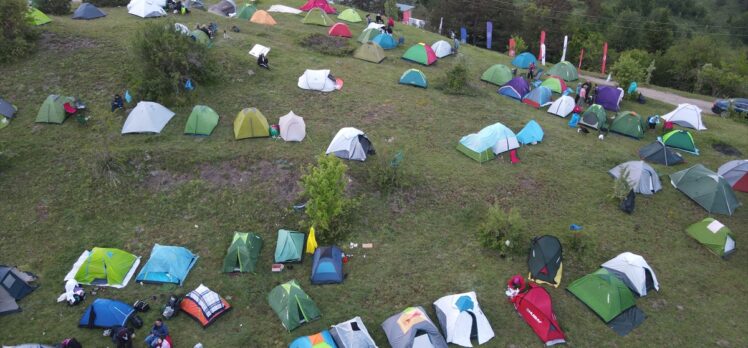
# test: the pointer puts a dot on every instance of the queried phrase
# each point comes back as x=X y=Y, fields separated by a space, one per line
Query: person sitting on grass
x=162 y=343
x=117 y=103
x=159 y=330
x=263 y=62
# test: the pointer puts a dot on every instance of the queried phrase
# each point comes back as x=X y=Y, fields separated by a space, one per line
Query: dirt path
x=666 y=97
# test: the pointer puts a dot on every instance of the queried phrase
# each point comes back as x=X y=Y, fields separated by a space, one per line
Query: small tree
x=56 y=7
x=502 y=231
x=627 y=70
x=391 y=10
x=621 y=186
x=18 y=37
x=327 y=206
x=456 y=80
x=519 y=44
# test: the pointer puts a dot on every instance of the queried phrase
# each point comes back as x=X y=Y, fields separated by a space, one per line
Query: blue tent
x=532 y=133
x=386 y=41
x=523 y=60
x=414 y=77
x=516 y=88
x=104 y=313
x=168 y=264
x=538 y=97
x=327 y=267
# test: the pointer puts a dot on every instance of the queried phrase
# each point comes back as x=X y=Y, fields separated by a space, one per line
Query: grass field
x=195 y=192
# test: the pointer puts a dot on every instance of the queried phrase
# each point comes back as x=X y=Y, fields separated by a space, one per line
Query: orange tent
x=340 y=29
x=262 y=17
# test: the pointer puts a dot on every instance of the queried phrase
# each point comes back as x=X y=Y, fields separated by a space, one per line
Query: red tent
x=318 y=3
x=340 y=29
x=535 y=307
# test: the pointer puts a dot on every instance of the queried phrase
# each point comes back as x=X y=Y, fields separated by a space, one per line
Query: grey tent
x=657 y=152
x=88 y=11
x=7 y=109
x=223 y=8
x=352 y=334
x=14 y=285
x=413 y=328
x=641 y=176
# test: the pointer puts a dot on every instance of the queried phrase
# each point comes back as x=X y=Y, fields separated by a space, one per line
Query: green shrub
x=108 y=3
x=519 y=44
x=579 y=248
x=621 y=186
x=19 y=36
x=503 y=231
x=628 y=69
x=456 y=80
x=387 y=172
x=329 y=45
x=55 y=7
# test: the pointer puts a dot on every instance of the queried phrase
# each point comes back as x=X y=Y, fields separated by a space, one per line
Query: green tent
x=370 y=52
x=629 y=123
x=38 y=17
x=368 y=34
x=707 y=188
x=53 y=109
x=292 y=305
x=350 y=15
x=106 y=266
x=498 y=74
x=246 y=11
x=202 y=121
x=250 y=123
x=603 y=293
x=317 y=16
x=243 y=253
x=595 y=117
x=289 y=247
x=564 y=70
x=201 y=37
x=713 y=235
x=680 y=139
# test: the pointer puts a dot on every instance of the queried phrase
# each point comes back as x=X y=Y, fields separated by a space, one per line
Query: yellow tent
x=262 y=17
x=311 y=242
x=250 y=123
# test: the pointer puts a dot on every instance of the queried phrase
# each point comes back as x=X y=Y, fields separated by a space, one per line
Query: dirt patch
x=378 y=114
x=726 y=149
x=164 y=180
x=526 y=184
x=59 y=44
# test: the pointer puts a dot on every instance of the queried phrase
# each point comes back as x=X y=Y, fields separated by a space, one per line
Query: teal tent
x=168 y=264
x=414 y=77
x=531 y=134
x=289 y=247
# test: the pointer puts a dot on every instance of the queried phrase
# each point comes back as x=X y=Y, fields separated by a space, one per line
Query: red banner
x=540 y=49
x=512 y=47
x=581 y=56
x=605 y=56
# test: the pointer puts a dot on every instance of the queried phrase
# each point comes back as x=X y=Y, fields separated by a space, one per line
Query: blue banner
x=463 y=35
x=489 y=34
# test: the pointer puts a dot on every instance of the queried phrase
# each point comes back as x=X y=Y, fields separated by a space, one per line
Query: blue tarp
x=574 y=120
x=168 y=264
x=386 y=41
x=523 y=60
x=106 y=313
x=532 y=133
x=327 y=267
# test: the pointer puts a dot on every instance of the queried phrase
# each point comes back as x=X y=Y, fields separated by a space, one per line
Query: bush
x=164 y=59
x=578 y=248
x=519 y=44
x=503 y=231
x=387 y=172
x=627 y=69
x=329 y=45
x=621 y=186
x=109 y=3
x=55 y=7
x=456 y=80
x=19 y=36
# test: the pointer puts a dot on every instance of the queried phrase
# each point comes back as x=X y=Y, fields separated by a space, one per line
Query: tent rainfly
x=14 y=286
x=562 y=106
x=413 y=328
x=168 y=264
x=145 y=8
x=317 y=80
x=292 y=127
x=634 y=271
x=497 y=74
x=104 y=267
x=284 y=9
x=147 y=117
x=292 y=305
x=461 y=318
x=204 y=305
x=642 y=178
x=350 y=15
x=686 y=115
x=352 y=334
x=441 y=48
x=531 y=133
x=290 y=246
x=714 y=236
x=707 y=188
x=351 y=144
x=243 y=253
x=736 y=174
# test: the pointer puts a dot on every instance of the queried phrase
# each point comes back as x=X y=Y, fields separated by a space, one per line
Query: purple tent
x=608 y=97
x=516 y=88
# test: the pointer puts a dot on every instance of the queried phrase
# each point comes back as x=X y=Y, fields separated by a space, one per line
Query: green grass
x=53 y=205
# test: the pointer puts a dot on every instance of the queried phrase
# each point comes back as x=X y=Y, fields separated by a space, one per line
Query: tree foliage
x=55 y=7
x=108 y=3
x=519 y=44
x=18 y=36
x=503 y=231
x=390 y=9
x=630 y=67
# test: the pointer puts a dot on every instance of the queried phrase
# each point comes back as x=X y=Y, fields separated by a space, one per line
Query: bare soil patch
x=59 y=44
x=726 y=149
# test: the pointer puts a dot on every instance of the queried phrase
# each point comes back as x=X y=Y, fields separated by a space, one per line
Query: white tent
x=258 y=49
x=459 y=316
x=374 y=26
x=292 y=127
x=641 y=176
x=686 y=115
x=351 y=144
x=284 y=9
x=634 y=271
x=146 y=8
x=352 y=334
x=562 y=106
x=441 y=48
x=317 y=80
x=147 y=117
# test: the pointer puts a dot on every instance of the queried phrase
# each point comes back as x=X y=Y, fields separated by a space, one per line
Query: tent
x=441 y=48
x=680 y=139
x=374 y=25
x=243 y=253
x=707 y=188
x=202 y=121
x=53 y=109
x=321 y=4
x=461 y=319
x=289 y=248
x=413 y=328
x=536 y=308
x=352 y=334
x=562 y=106
x=145 y=9
x=595 y=117
x=686 y=115
x=516 y=88
x=38 y=17
x=713 y=235
x=564 y=70
x=629 y=123
x=317 y=80
x=555 y=84
x=538 y=97
x=385 y=40
x=105 y=313
x=147 y=117
x=523 y=60
x=340 y=29
x=292 y=305
x=200 y=37
x=350 y=15
x=545 y=260
x=246 y=11
x=634 y=271
x=318 y=17
x=368 y=35
x=284 y=9
x=168 y=264
x=223 y=8
x=292 y=127
x=421 y=54
x=657 y=152
x=204 y=305
x=88 y=11
x=532 y=133
x=642 y=178
x=7 y=109
x=262 y=17
x=609 y=97
x=370 y=52
x=736 y=174
x=351 y=144
x=104 y=267
x=258 y=49
x=414 y=77
x=327 y=265
x=14 y=286
x=319 y=340
x=497 y=74
x=488 y=142
x=250 y=123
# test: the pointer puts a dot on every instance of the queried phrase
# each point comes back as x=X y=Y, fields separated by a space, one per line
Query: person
x=70 y=343
x=203 y=28
x=652 y=121
x=368 y=18
x=158 y=330
x=455 y=44
x=379 y=19
x=117 y=103
x=262 y=61
x=531 y=71
x=388 y=30
x=390 y=23
x=582 y=94
x=122 y=336
x=163 y=343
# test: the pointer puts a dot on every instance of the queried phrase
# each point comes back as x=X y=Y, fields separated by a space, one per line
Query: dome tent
x=223 y=8
x=562 y=106
x=385 y=40
x=104 y=267
x=686 y=115
x=105 y=313
x=538 y=97
x=545 y=261
x=642 y=178
x=350 y=144
x=243 y=253
x=352 y=334
x=441 y=48
x=318 y=17
x=595 y=117
x=327 y=265
x=628 y=123
x=321 y=4
x=246 y=11
x=555 y=84
x=414 y=77
x=289 y=247
x=292 y=305
x=516 y=88
x=250 y=123
x=147 y=117
x=262 y=17
x=38 y=17
x=321 y=339
x=145 y=8
x=340 y=29
x=609 y=97
x=204 y=305
x=680 y=139
x=370 y=52
x=488 y=142
x=565 y=70
x=707 y=188
x=657 y=152
x=317 y=80
x=368 y=35
x=53 y=109
x=498 y=74
x=167 y=265
x=88 y=11
x=292 y=127
x=284 y=9
x=736 y=174
x=421 y=54
x=713 y=235
x=634 y=271
x=523 y=60
x=202 y=121
x=350 y=15
x=531 y=133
